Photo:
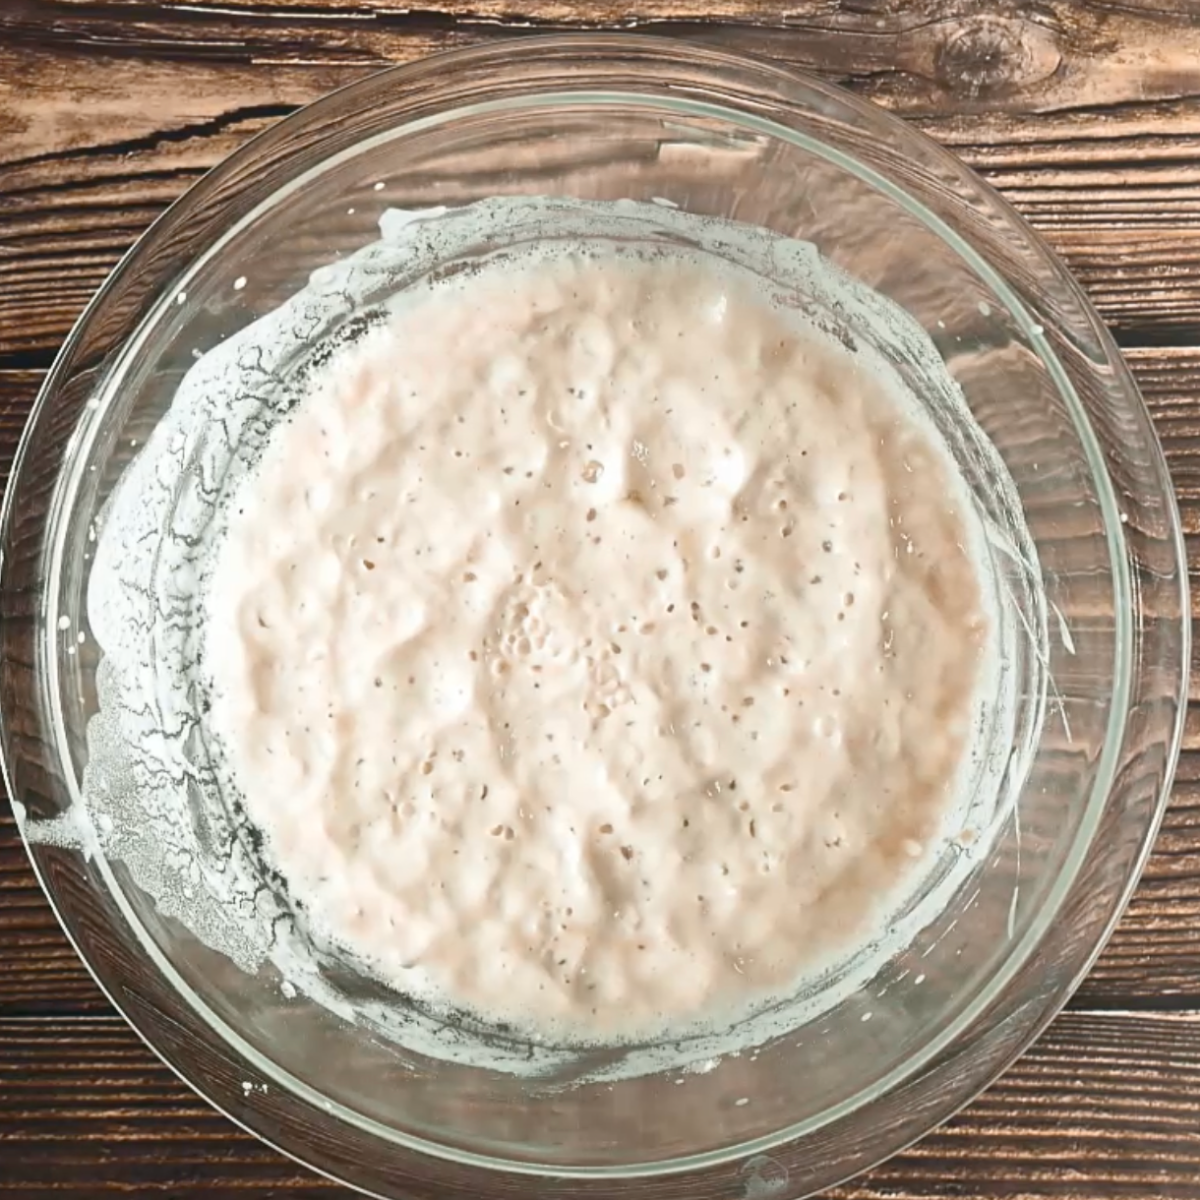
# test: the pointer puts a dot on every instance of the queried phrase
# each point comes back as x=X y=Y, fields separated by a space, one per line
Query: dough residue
x=597 y=646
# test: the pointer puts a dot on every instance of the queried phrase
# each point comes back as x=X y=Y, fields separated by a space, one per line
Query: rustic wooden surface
x=1086 y=114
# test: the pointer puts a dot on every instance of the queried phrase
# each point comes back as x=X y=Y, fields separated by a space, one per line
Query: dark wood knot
x=993 y=55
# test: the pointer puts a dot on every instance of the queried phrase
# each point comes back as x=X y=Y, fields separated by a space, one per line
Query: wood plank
x=87 y=1110
x=1105 y=1104
x=1151 y=960
x=919 y=57
x=1096 y=1108
x=41 y=972
x=1087 y=116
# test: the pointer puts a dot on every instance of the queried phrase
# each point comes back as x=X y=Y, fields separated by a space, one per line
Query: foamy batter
x=597 y=646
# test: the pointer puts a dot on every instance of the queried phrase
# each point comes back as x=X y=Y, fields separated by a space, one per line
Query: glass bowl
x=1089 y=560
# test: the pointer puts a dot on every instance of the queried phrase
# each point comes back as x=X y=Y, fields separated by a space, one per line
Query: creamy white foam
x=160 y=803
x=597 y=647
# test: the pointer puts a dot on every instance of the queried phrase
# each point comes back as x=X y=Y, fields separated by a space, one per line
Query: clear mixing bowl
x=1096 y=620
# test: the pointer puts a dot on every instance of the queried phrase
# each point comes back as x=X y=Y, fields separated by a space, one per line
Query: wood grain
x=1087 y=115
x=1151 y=961
x=1105 y=1104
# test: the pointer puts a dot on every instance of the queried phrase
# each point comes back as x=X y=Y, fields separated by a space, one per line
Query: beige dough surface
x=597 y=646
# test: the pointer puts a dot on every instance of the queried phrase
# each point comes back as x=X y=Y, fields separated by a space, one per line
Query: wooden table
x=1087 y=115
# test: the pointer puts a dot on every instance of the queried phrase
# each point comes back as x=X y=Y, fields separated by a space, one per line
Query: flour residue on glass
x=769 y=561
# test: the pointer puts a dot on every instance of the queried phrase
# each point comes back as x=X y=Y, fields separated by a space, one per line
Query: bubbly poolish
x=597 y=646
